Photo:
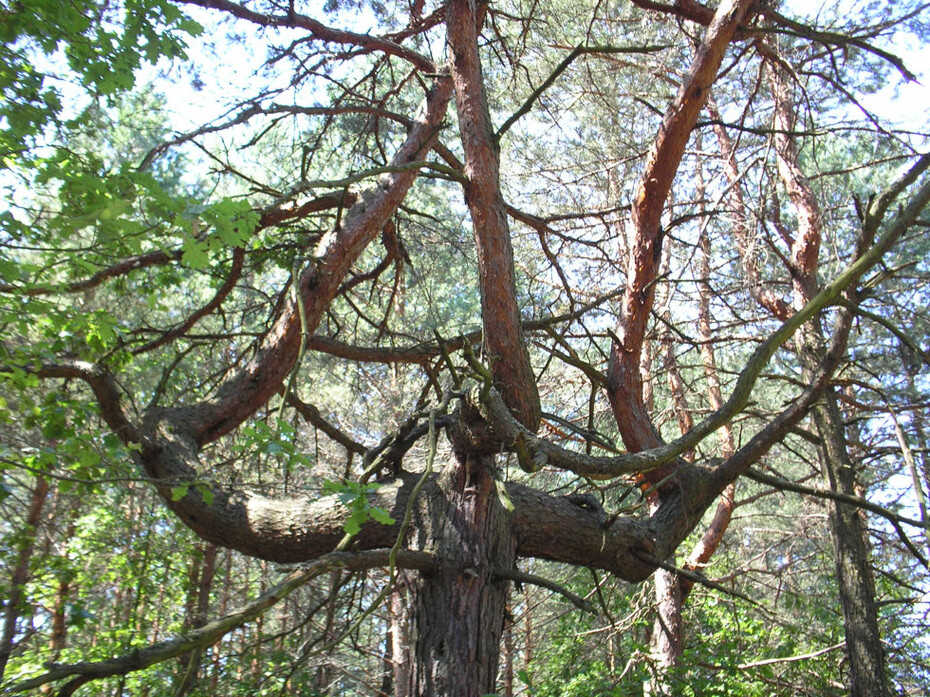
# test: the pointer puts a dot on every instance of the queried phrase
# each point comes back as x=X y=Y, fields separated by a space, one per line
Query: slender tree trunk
x=459 y=611
x=17 y=596
x=507 y=669
x=399 y=635
x=665 y=642
x=917 y=421
x=868 y=677
x=528 y=642
x=204 y=569
x=65 y=590
x=867 y=672
x=221 y=612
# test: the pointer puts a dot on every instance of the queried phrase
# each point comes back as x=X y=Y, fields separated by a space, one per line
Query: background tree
x=232 y=344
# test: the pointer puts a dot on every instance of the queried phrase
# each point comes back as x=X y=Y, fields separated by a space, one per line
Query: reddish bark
x=624 y=380
x=503 y=337
x=246 y=391
x=17 y=596
x=805 y=247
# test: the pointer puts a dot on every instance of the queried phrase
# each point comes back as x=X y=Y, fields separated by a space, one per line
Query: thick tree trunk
x=459 y=611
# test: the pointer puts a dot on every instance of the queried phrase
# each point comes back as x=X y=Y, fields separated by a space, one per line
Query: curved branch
x=103 y=385
x=235 y=272
x=312 y=415
x=247 y=390
x=828 y=38
x=783 y=484
x=522 y=577
x=625 y=385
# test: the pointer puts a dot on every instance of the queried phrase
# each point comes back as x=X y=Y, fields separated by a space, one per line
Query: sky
x=223 y=68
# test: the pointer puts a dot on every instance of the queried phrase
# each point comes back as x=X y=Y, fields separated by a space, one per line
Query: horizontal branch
x=279 y=212
x=320 y=31
x=786 y=485
x=774 y=661
x=522 y=577
x=428 y=350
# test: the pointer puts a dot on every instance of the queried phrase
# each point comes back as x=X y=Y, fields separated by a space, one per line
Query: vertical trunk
x=221 y=612
x=666 y=639
x=65 y=590
x=853 y=569
x=527 y=632
x=324 y=673
x=399 y=636
x=503 y=338
x=507 y=669
x=459 y=611
x=205 y=567
x=868 y=677
x=665 y=642
x=17 y=595
x=917 y=421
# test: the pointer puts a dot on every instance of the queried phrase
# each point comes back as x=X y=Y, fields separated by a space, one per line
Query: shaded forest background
x=173 y=174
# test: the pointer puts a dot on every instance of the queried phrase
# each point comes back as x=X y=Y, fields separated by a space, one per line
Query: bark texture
x=459 y=610
x=645 y=240
x=868 y=676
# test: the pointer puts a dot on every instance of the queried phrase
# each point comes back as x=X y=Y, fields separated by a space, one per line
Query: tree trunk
x=14 y=603
x=459 y=611
x=203 y=569
x=665 y=642
x=399 y=649
x=507 y=669
x=853 y=570
x=868 y=677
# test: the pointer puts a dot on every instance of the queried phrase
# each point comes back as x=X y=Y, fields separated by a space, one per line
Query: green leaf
x=206 y=493
x=354 y=523
x=195 y=253
x=381 y=515
x=179 y=492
